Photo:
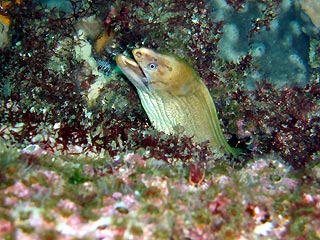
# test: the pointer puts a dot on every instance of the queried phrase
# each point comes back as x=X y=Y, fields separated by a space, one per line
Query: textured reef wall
x=80 y=159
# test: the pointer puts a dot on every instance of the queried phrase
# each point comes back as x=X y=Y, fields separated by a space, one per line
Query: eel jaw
x=133 y=72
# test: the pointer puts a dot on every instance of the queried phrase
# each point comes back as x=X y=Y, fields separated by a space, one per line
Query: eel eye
x=152 y=66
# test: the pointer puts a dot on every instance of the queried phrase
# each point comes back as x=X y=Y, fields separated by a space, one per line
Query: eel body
x=174 y=97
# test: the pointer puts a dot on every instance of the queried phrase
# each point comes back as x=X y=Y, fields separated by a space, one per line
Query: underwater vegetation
x=59 y=196
x=80 y=159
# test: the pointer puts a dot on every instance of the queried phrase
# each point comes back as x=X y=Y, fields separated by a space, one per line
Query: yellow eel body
x=174 y=97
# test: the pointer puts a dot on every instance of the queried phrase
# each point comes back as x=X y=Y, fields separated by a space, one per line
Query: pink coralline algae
x=257 y=200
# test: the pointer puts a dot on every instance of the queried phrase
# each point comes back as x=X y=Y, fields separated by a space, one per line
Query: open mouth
x=133 y=65
x=133 y=71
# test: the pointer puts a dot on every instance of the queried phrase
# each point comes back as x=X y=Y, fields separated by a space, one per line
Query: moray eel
x=174 y=97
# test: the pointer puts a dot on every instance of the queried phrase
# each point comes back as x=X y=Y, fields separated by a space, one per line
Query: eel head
x=152 y=71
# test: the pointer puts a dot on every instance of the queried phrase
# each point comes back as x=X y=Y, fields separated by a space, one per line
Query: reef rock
x=4 y=35
x=312 y=9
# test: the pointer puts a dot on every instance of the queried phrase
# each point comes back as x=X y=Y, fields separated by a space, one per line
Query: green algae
x=314 y=58
x=77 y=177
